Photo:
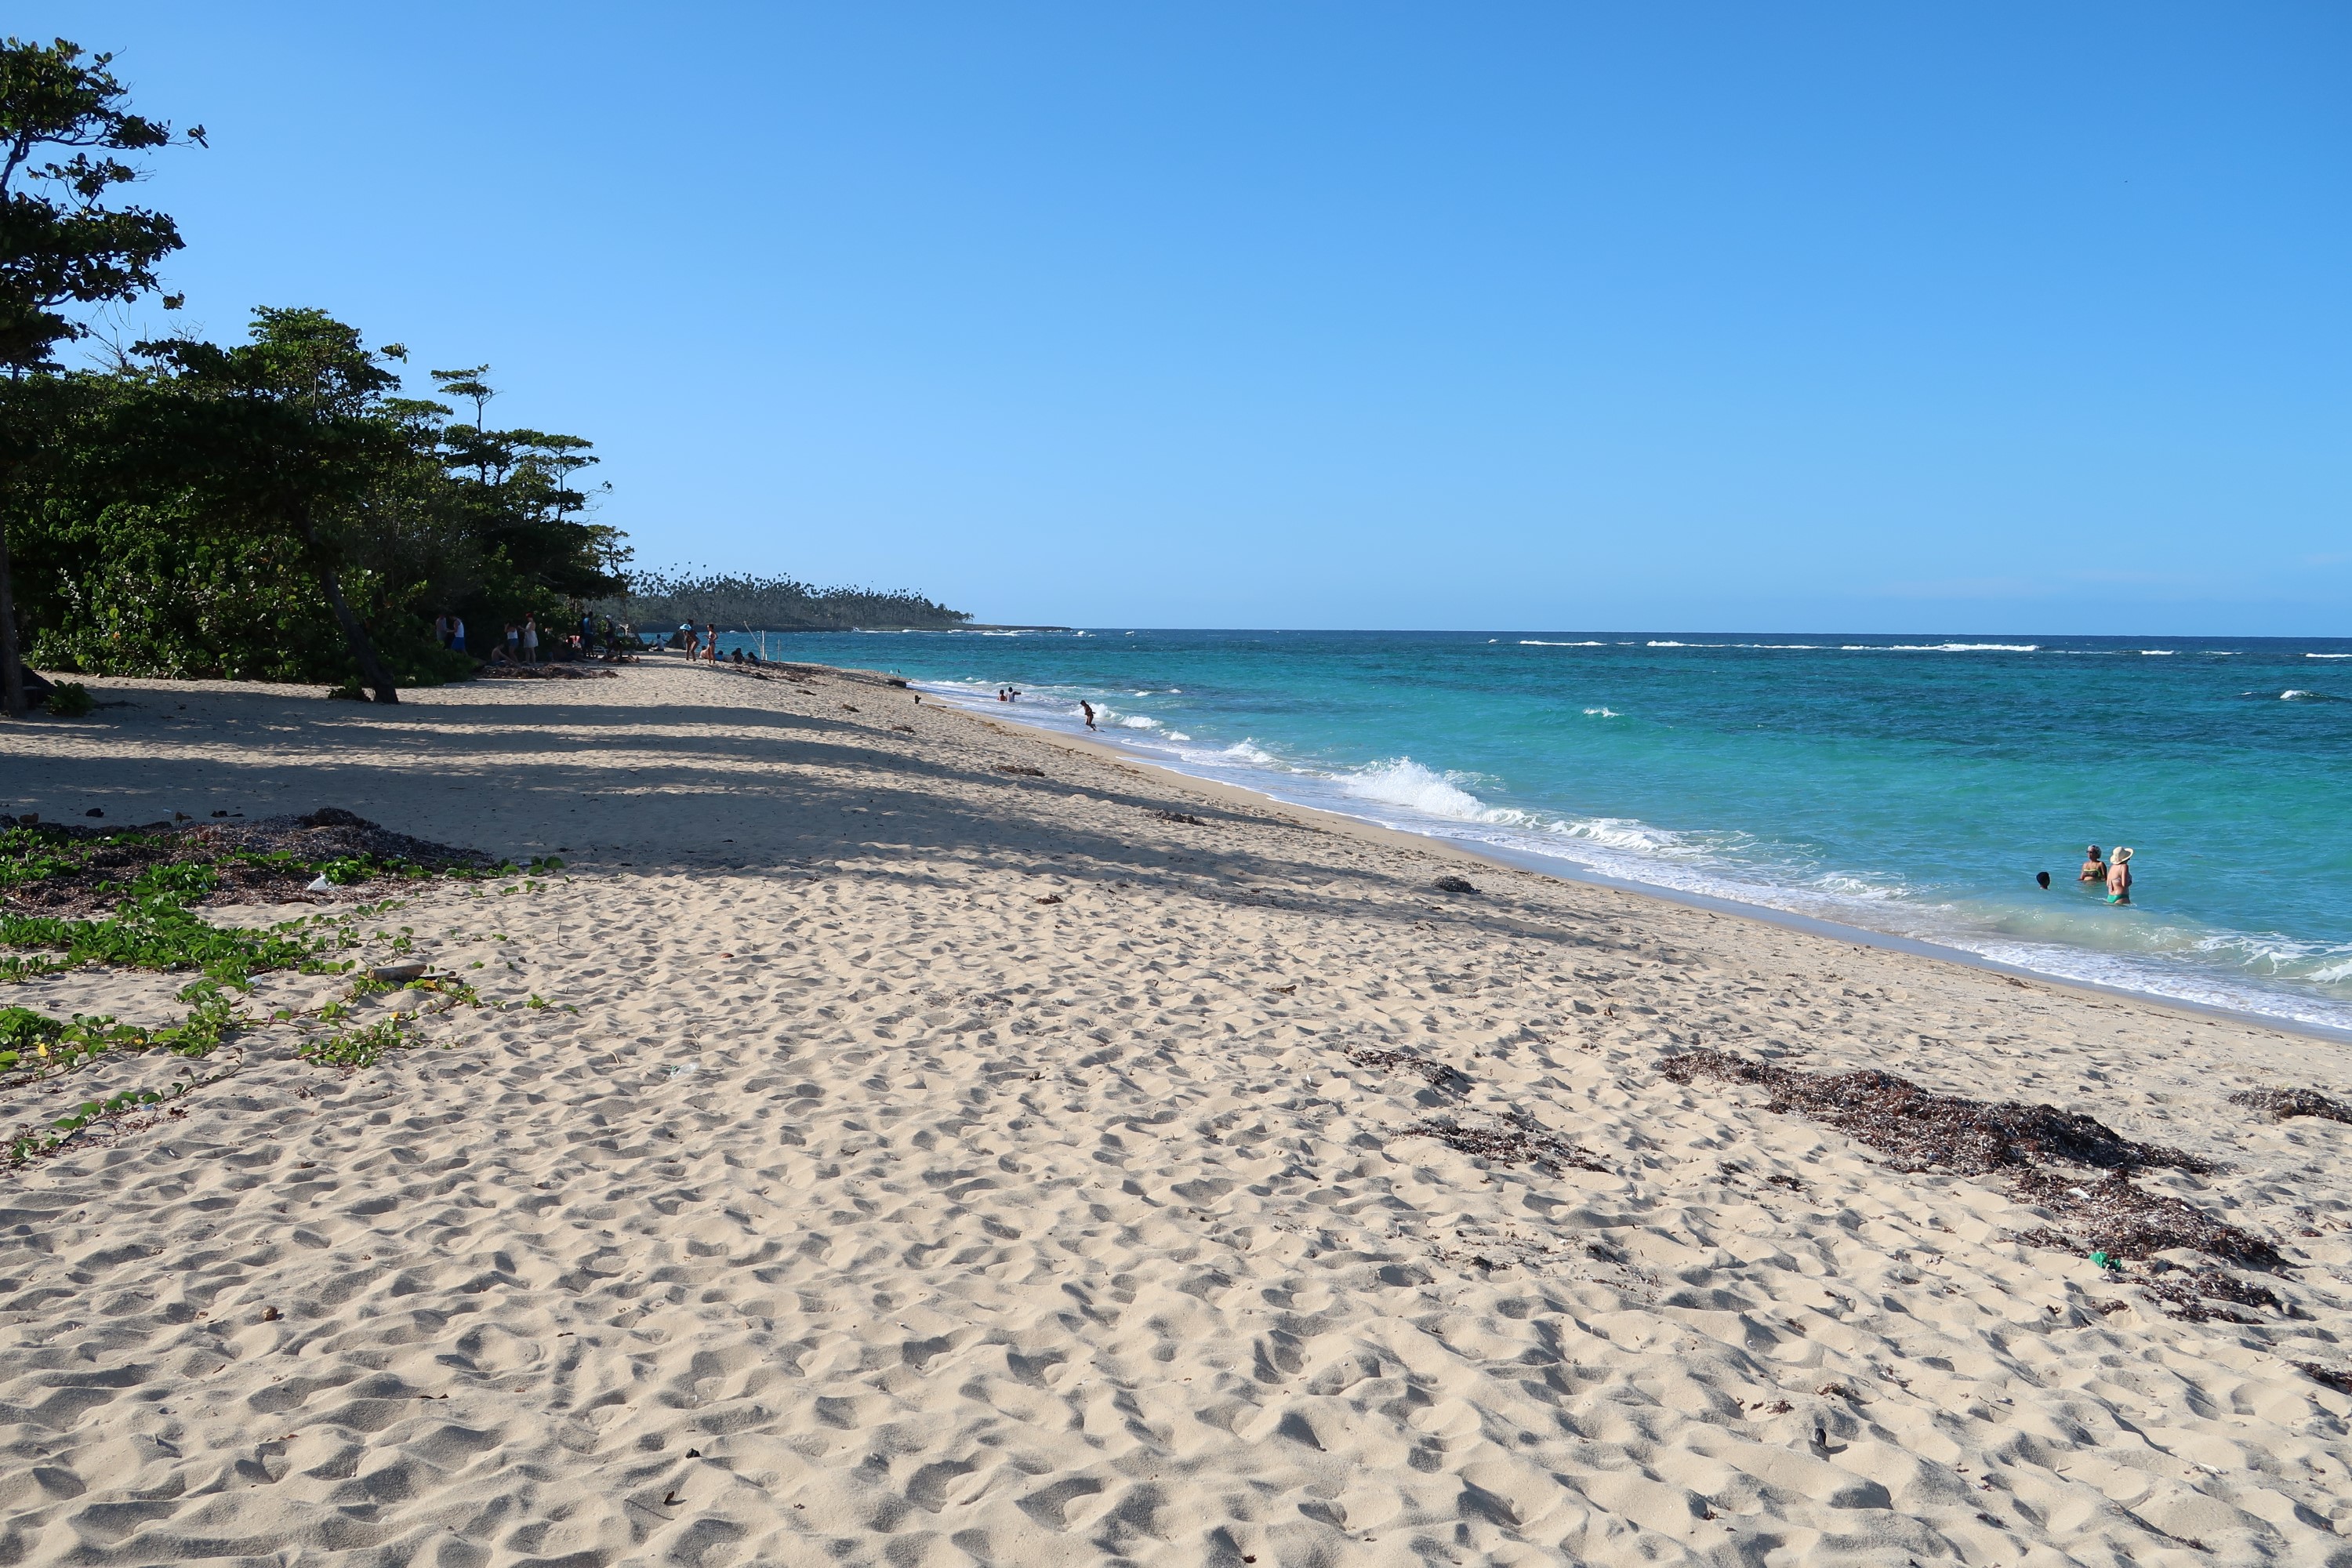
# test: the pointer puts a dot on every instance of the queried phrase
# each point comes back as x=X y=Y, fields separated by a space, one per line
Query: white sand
x=951 y=1224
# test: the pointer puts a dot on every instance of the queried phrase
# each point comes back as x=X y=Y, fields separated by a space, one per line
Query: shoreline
x=1568 y=871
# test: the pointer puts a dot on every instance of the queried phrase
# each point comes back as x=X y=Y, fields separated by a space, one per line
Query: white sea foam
x=1622 y=833
x=2291 y=695
x=1177 y=735
x=1960 y=646
x=1603 y=713
x=1406 y=783
x=1534 y=642
x=2327 y=656
x=1138 y=721
x=1840 y=884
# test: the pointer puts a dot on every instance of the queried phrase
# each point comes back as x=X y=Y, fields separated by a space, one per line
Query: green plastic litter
x=2103 y=1261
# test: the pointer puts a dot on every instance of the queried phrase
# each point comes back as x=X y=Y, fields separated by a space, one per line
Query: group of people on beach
x=516 y=644
x=702 y=648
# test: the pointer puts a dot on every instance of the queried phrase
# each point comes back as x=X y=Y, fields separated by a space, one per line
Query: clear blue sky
x=2021 y=318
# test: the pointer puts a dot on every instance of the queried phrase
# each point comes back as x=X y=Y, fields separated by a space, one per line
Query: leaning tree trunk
x=11 y=668
x=373 y=674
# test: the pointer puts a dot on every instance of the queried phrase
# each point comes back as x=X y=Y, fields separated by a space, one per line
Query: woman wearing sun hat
x=2119 y=878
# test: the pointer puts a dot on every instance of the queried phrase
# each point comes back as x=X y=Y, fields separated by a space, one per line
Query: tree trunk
x=12 y=670
x=372 y=675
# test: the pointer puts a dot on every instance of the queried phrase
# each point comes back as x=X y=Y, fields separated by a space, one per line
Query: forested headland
x=658 y=600
x=283 y=507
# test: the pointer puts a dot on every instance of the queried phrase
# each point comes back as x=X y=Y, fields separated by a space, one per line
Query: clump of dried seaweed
x=1920 y=1128
x=1515 y=1141
x=1436 y=1074
x=2281 y=1103
x=2332 y=1377
x=2188 y=1294
x=2114 y=1217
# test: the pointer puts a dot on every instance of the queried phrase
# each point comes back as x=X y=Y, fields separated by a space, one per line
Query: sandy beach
x=896 y=1137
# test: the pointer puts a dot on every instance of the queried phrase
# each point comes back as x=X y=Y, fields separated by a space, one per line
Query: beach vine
x=156 y=877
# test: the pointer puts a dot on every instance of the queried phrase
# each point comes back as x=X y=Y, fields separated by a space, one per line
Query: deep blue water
x=1910 y=784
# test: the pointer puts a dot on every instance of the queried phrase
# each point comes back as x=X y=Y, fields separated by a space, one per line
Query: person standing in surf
x=1090 y=711
x=2119 y=878
x=2094 y=868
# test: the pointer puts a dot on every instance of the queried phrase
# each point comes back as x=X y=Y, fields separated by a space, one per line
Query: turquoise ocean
x=1910 y=785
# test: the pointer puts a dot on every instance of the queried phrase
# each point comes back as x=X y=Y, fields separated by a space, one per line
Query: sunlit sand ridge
x=944 y=1145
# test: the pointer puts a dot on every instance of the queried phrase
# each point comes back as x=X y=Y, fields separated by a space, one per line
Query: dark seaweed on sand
x=2334 y=1377
x=1920 y=1128
x=2281 y=1103
x=2114 y=1217
x=2189 y=1295
x=1436 y=1074
x=1513 y=1143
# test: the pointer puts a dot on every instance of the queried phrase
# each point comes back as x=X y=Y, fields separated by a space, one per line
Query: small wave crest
x=1603 y=713
x=1945 y=648
x=1534 y=642
x=1623 y=833
x=1405 y=782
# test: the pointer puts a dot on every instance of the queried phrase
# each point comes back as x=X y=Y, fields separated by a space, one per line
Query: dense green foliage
x=204 y=510
x=660 y=600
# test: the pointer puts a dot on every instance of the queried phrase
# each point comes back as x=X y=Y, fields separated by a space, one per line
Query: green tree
x=63 y=121
x=291 y=433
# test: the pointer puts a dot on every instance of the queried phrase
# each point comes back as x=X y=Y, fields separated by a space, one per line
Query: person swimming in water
x=2119 y=878
x=2094 y=868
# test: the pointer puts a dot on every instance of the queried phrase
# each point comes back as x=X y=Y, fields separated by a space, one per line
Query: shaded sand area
x=940 y=1144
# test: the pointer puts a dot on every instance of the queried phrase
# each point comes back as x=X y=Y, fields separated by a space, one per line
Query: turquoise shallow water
x=1912 y=785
